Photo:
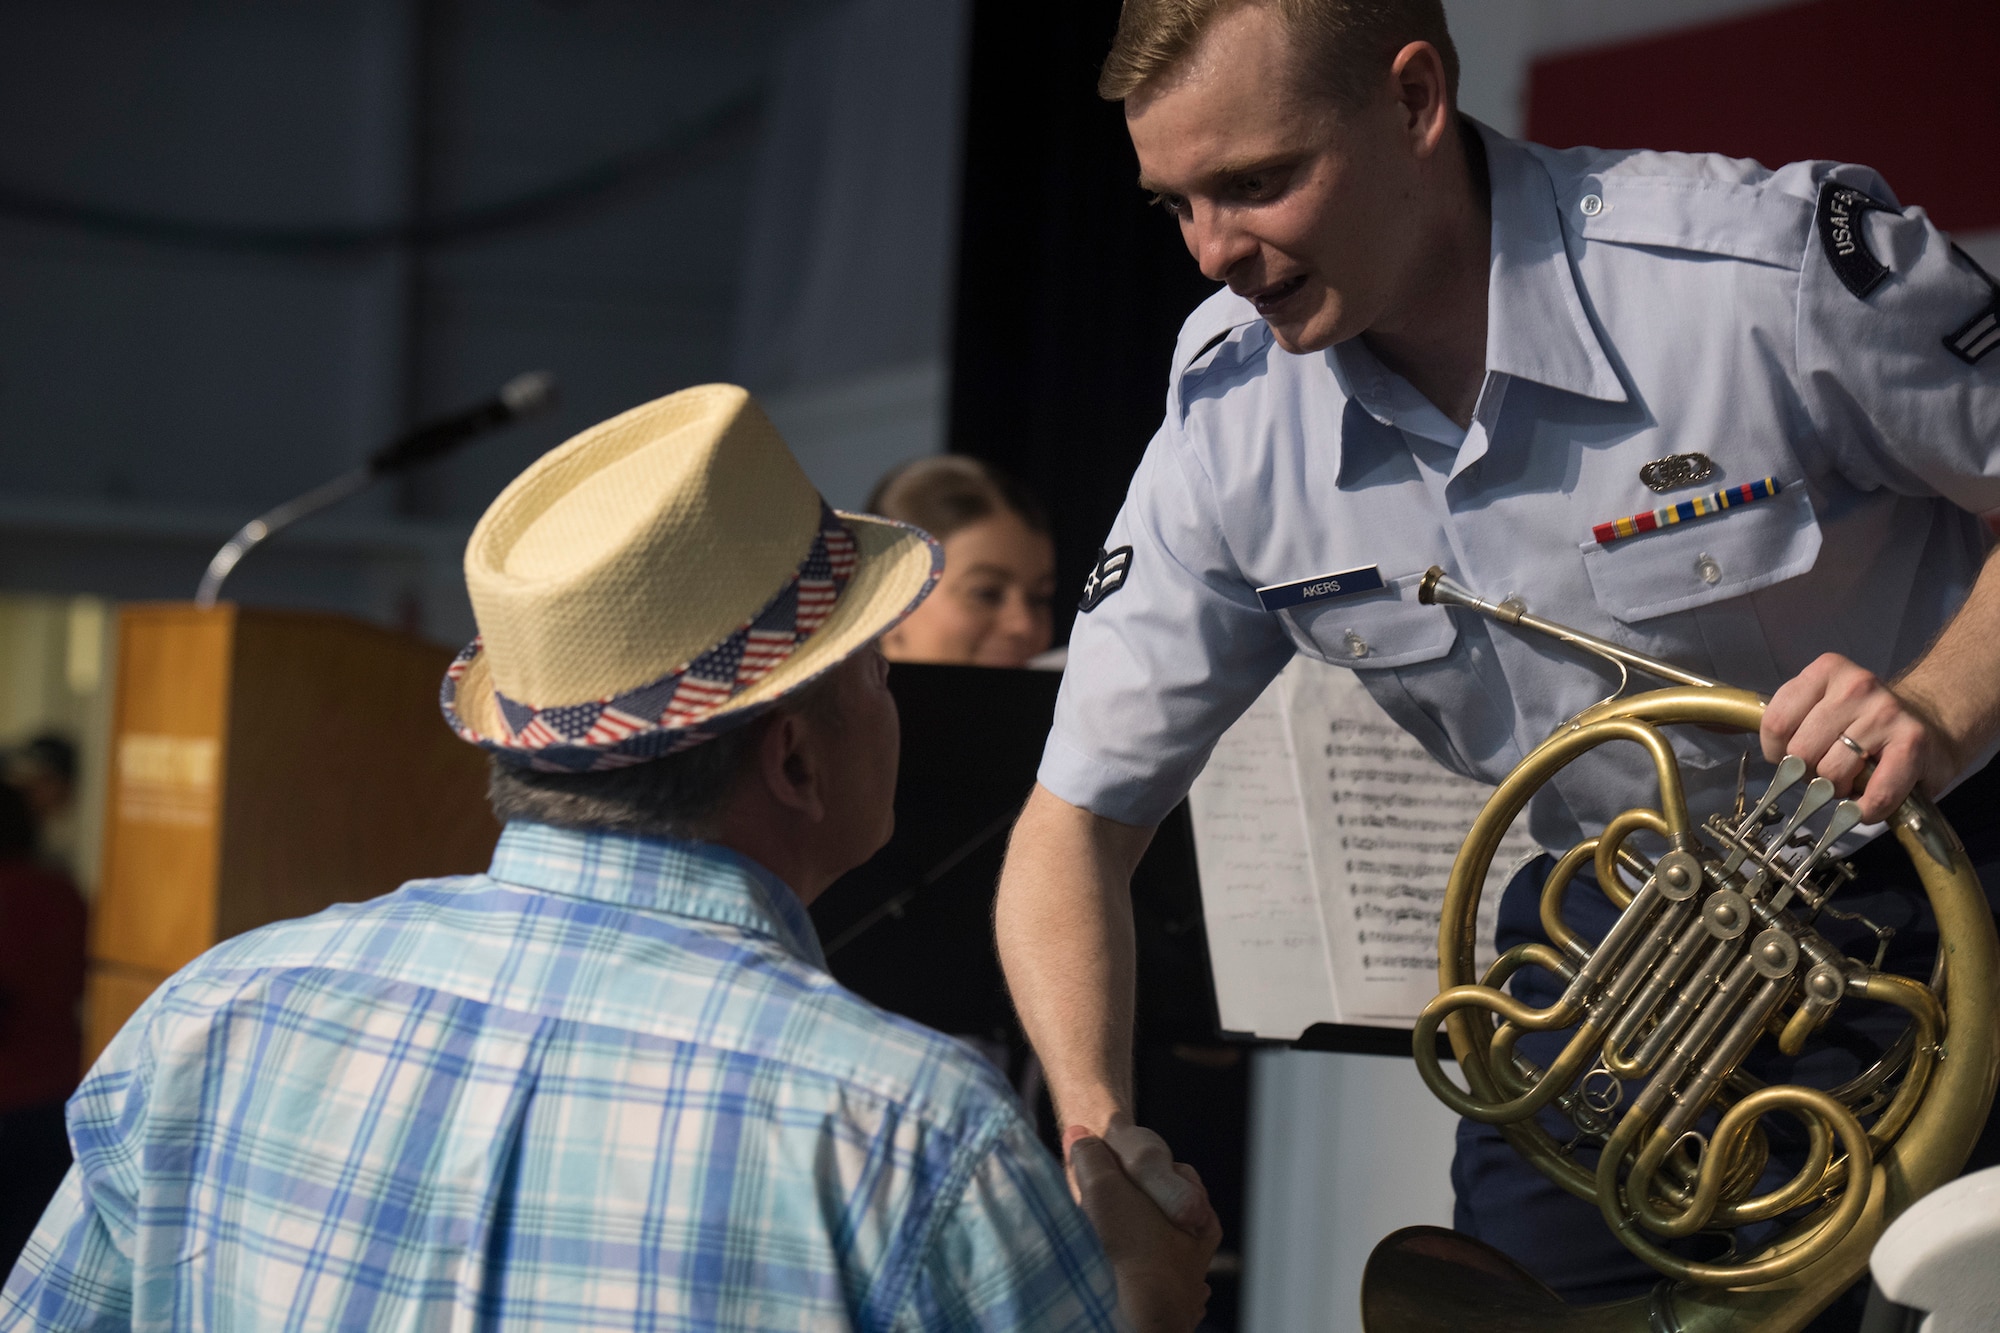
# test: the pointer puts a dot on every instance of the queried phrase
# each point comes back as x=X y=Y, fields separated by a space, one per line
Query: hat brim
x=896 y=567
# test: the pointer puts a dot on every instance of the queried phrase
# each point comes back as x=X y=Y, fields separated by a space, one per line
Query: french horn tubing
x=1714 y=951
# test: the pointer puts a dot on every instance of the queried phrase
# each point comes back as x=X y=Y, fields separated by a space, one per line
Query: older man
x=607 y=1084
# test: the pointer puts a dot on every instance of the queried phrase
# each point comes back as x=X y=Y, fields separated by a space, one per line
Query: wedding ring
x=1860 y=752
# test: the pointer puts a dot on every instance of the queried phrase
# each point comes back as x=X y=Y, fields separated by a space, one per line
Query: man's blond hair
x=1345 y=46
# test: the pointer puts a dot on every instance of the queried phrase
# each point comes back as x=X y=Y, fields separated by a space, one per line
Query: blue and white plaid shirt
x=608 y=1084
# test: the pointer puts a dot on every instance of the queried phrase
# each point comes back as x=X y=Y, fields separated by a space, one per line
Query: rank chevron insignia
x=1108 y=577
x=1978 y=336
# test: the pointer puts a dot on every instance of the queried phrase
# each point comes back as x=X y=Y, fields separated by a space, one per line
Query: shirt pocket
x=1689 y=565
x=1390 y=628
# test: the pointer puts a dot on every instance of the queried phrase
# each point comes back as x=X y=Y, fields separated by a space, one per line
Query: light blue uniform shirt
x=1640 y=305
x=608 y=1085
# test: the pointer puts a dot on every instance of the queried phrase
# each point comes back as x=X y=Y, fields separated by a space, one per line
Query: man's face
x=1301 y=209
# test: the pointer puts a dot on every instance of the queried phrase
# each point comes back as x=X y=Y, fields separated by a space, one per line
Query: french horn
x=1714 y=951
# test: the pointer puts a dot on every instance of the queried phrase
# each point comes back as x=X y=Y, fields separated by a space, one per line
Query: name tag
x=1325 y=588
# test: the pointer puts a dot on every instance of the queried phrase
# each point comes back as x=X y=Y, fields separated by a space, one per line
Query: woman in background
x=991 y=607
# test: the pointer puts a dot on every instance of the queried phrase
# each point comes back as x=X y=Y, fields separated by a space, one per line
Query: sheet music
x=1259 y=899
x=1385 y=823
x=1321 y=827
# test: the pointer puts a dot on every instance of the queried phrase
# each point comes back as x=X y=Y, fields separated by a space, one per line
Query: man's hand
x=1938 y=717
x=1161 y=1269
x=1833 y=698
x=1149 y=1164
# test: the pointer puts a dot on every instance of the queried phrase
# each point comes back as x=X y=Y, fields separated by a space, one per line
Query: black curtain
x=1071 y=291
x=1071 y=288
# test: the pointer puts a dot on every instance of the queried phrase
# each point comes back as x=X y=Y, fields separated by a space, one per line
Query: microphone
x=522 y=396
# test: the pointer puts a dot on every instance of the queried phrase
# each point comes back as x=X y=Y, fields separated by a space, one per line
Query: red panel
x=1911 y=89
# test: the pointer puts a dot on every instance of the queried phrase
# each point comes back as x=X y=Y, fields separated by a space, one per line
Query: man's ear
x=788 y=765
x=1419 y=77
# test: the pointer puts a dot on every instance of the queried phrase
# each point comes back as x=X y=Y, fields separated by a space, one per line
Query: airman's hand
x=1150 y=1164
x=1835 y=698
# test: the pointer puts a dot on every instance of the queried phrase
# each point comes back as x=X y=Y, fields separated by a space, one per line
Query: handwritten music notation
x=1267 y=947
x=1321 y=824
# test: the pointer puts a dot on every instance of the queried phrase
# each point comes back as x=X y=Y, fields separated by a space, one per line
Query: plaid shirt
x=607 y=1084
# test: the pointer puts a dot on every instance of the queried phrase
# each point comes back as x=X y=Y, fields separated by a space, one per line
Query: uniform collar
x=1536 y=325
x=1392 y=401
x=664 y=875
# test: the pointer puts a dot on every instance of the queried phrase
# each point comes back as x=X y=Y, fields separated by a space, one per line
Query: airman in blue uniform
x=1740 y=419
x=1643 y=306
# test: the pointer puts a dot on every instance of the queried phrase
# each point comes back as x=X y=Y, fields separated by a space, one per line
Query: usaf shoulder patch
x=1108 y=577
x=1841 y=211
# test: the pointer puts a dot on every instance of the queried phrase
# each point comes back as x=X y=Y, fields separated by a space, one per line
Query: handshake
x=1153 y=1216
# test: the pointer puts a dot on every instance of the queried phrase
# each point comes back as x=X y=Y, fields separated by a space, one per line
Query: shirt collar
x=1389 y=398
x=651 y=874
x=1536 y=326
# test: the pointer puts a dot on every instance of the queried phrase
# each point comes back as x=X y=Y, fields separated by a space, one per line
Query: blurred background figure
x=992 y=606
x=44 y=772
x=41 y=987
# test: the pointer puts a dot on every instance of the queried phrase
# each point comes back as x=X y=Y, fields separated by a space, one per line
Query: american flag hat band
x=687 y=705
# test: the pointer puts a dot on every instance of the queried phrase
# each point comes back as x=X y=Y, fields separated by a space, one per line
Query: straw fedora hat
x=660 y=578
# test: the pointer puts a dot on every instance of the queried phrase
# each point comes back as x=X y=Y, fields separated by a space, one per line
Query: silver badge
x=1676 y=470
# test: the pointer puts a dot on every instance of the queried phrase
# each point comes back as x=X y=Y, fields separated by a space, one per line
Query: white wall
x=55 y=673
x=848 y=430
x=844 y=306
x=1345 y=1149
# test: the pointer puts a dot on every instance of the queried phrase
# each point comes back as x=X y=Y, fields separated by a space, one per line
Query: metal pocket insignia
x=1677 y=470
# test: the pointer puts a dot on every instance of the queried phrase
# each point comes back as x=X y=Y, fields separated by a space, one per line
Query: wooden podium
x=265 y=764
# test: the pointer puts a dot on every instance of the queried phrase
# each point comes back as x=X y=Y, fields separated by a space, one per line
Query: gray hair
x=679 y=796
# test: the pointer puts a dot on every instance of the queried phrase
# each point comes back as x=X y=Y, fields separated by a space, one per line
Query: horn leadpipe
x=1438 y=590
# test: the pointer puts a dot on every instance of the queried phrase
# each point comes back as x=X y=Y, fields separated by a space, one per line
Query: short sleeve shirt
x=607 y=1086
x=1797 y=327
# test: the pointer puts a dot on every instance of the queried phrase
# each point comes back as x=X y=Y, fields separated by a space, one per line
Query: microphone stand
x=522 y=396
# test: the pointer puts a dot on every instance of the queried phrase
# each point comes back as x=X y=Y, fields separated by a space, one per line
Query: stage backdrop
x=1909 y=90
